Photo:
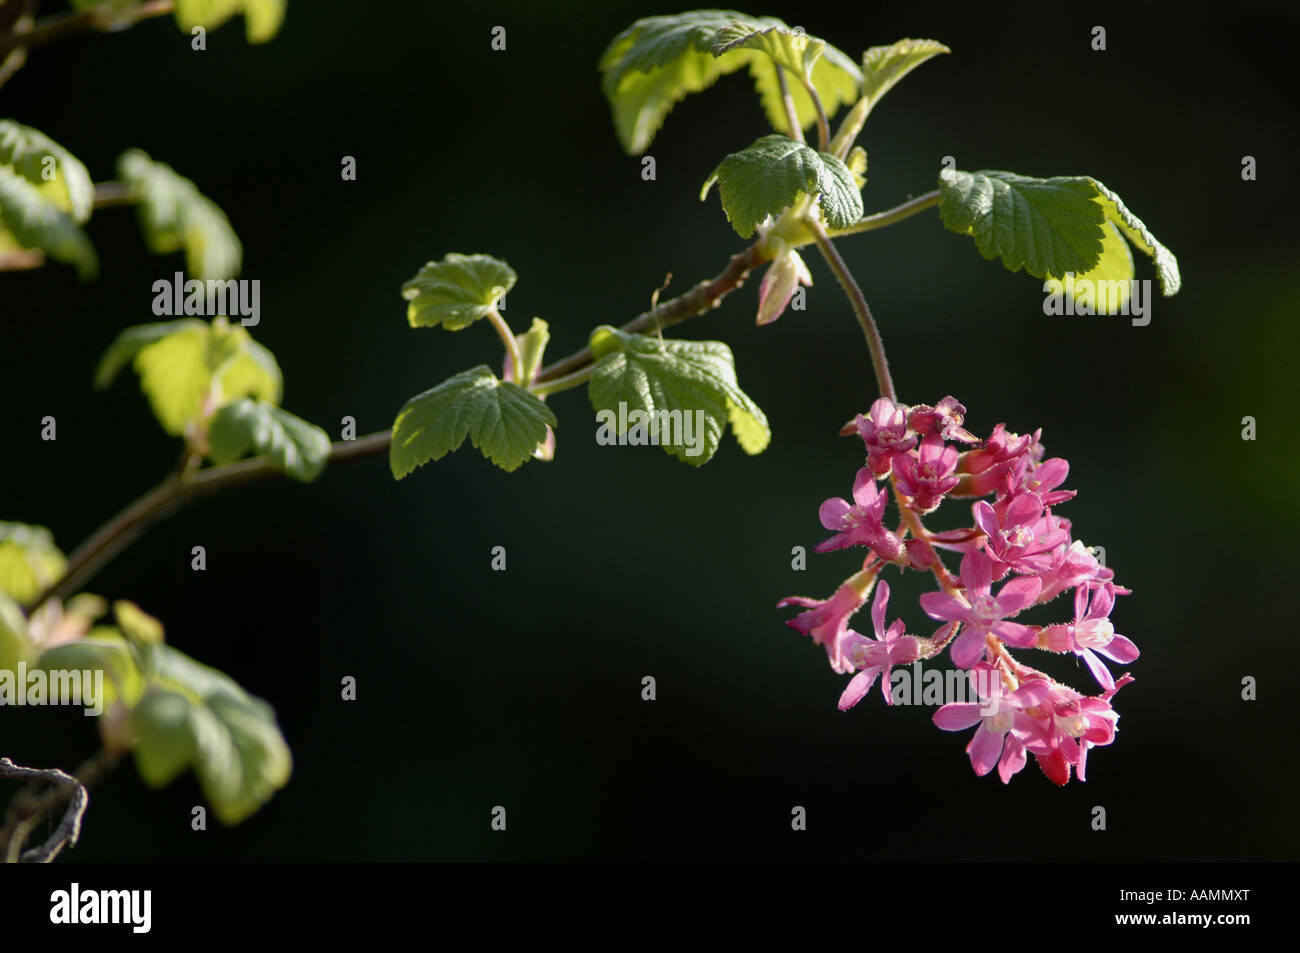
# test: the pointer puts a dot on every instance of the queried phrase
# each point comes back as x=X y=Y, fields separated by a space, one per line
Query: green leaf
x=884 y=66
x=189 y=369
x=289 y=443
x=136 y=624
x=175 y=215
x=129 y=342
x=1046 y=226
x=796 y=51
x=774 y=173
x=657 y=61
x=15 y=643
x=674 y=378
x=191 y=715
x=29 y=561
x=1068 y=225
x=104 y=649
x=1131 y=227
x=31 y=218
x=262 y=18
x=532 y=345
x=501 y=419
x=456 y=291
x=43 y=162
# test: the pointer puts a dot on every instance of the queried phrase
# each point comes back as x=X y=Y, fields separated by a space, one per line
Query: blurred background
x=522 y=688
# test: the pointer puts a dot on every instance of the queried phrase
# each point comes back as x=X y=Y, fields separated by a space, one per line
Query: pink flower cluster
x=1015 y=554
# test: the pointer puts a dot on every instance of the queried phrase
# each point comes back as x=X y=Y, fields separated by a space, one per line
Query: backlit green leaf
x=175 y=215
x=29 y=561
x=191 y=715
x=501 y=419
x=774 y=173
x=289 y=443
x=657 y=61
x=189 y=369
x=668 y=381
x=1053 y=228
x=32 y=218
x=262 y=18
x=456 y=291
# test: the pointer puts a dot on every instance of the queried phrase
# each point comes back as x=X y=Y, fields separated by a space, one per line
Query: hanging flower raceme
x=1015 y=554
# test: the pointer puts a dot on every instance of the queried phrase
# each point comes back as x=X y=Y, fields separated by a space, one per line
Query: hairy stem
x=568 y=381
x=869 y=330
x=823 y=126
x=512 y=345
x=888 y=217
x=791 y=116
x=113 y=194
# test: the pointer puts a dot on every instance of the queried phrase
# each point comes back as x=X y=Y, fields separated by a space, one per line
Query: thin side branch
x=869 y=330
x=48 y=29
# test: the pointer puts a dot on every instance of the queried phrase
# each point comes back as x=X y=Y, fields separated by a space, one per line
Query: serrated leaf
x=43 y=162
x=191 y=715
x=669 y=379
x=29 y=561
x=291 y=444
x=794 y=50
x=189 y=368
x=884 y=66
x=502 y=420
x=456 y=291
x=774 y=173
x=658 y=61
x=174 y=214
x=262 y=18
x=1068 y=225
x=1128 y=224
x=1046 y=226
x=857 y=165
x=31 y=216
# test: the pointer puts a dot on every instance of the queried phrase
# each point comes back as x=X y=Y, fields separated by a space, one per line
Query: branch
x=49 y=29
x=703 y=297
x=20 y=822
x=182 y=488
x=169 y=496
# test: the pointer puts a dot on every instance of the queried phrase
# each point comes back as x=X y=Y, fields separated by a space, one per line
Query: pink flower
x=980 y=612
x=1019 y=535
x=1074 y=566
x=827 y=620
x=786 y=272
x=860 y=524
x=1091 y=633
x=1065 y=725
x=1000 y=447
x=944 y=418
x=874 y=658
x=1041 y=479
x=884 y=431
x=997 y=714
x=928 y=475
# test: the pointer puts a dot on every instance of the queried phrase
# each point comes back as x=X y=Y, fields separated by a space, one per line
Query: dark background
x=522 y=688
